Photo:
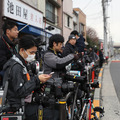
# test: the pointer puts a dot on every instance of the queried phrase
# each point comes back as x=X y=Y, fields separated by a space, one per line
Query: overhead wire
x=87 y=4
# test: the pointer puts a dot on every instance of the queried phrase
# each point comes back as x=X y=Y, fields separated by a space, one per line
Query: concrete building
x=67 y=18
x=82 y=21
x=41 y=17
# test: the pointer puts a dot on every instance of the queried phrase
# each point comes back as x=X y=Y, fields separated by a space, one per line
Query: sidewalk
x=108 y=96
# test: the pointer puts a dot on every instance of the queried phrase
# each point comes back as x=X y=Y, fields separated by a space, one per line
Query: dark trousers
x=101 y=63
x=49 y=113
x=31 y=112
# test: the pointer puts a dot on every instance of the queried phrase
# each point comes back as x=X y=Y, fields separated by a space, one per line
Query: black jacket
x=69 y=49
x=80 y=44
x=101 y=56
x=7 y=49
x=19 y=86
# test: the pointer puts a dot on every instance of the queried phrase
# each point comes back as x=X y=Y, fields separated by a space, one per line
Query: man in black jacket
x=7 y=47
x=70 y=46
x=80 y=41
x=101 y=58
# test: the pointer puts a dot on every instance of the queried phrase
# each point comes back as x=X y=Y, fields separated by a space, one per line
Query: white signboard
x=19 y=11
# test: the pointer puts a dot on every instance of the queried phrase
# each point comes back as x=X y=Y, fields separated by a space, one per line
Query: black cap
x=71 y=37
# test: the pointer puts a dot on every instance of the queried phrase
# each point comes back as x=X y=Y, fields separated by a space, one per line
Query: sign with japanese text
x=19 y=11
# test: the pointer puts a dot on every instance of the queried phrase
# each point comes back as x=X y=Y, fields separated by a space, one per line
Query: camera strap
x=28 y=76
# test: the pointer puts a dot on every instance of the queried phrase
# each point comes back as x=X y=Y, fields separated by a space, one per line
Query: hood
x=12 y=61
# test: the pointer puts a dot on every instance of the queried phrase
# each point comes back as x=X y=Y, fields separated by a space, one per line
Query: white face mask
x=30 y=58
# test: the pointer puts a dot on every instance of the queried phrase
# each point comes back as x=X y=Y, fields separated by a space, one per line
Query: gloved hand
x=80 y=54
x=76 y=57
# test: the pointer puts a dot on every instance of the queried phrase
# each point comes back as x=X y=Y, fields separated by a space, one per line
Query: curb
x=97 y=92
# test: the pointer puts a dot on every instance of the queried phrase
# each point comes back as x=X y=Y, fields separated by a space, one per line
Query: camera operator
x=52 y=62
x=21 y=84
x=80 y=41
x=7 y=46
x=70 y=46
x=56 y=64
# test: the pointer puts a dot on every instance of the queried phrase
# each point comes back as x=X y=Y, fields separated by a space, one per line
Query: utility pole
x=105 y=17
x=104 y=6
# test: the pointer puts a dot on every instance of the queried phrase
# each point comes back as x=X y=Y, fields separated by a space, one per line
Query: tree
x=92 y=38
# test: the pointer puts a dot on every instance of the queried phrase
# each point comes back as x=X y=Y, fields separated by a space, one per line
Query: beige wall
x=60 y=15
x=41 y=6
x=68 y=11
x=33 y=3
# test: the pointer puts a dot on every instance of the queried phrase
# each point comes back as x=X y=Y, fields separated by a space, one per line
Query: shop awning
x=32 y=30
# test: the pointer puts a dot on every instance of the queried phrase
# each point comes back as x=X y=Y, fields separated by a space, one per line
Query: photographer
x=80 y=41
x=70 y=46
x=52 y=62
x=21 y=84
x=7 y=46
x=56 y=64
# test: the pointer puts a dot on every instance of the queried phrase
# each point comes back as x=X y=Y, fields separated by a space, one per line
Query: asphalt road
x=115 y=74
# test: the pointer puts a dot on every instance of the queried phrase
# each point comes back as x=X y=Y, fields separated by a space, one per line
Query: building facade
x=38 y=17
x=82 y=21
x=43 y=17
x=67 y=18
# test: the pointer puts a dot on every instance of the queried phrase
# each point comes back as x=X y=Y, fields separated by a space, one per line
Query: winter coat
x=20 y=84
x=80 y=44
x=69 y=49
x=7 y=49
x=53 y=63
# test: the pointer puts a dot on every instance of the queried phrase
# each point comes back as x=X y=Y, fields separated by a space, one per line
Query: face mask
x=30 y=58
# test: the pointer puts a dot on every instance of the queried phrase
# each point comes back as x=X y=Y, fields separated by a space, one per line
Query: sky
x=94 y=16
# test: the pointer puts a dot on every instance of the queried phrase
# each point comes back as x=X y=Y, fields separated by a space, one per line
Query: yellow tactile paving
x=96 y=103
x=100 y=74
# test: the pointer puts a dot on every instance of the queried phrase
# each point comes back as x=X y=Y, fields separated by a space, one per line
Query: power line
x=87 y=4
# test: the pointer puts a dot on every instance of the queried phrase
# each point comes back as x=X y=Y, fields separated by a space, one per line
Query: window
x=74 y=26
x=50 y=12
x=68 y=21
x=81 y=28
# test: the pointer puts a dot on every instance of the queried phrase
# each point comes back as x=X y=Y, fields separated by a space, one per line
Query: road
x=115 y=74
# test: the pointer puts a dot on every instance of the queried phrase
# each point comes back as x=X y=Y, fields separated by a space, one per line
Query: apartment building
x=38 y=17
x=82 y=21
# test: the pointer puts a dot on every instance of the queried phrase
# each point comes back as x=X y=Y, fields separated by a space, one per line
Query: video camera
x=54 y=90
x=33 y=67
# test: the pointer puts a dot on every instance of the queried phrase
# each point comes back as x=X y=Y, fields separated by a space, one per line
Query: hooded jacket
x=20 y=86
